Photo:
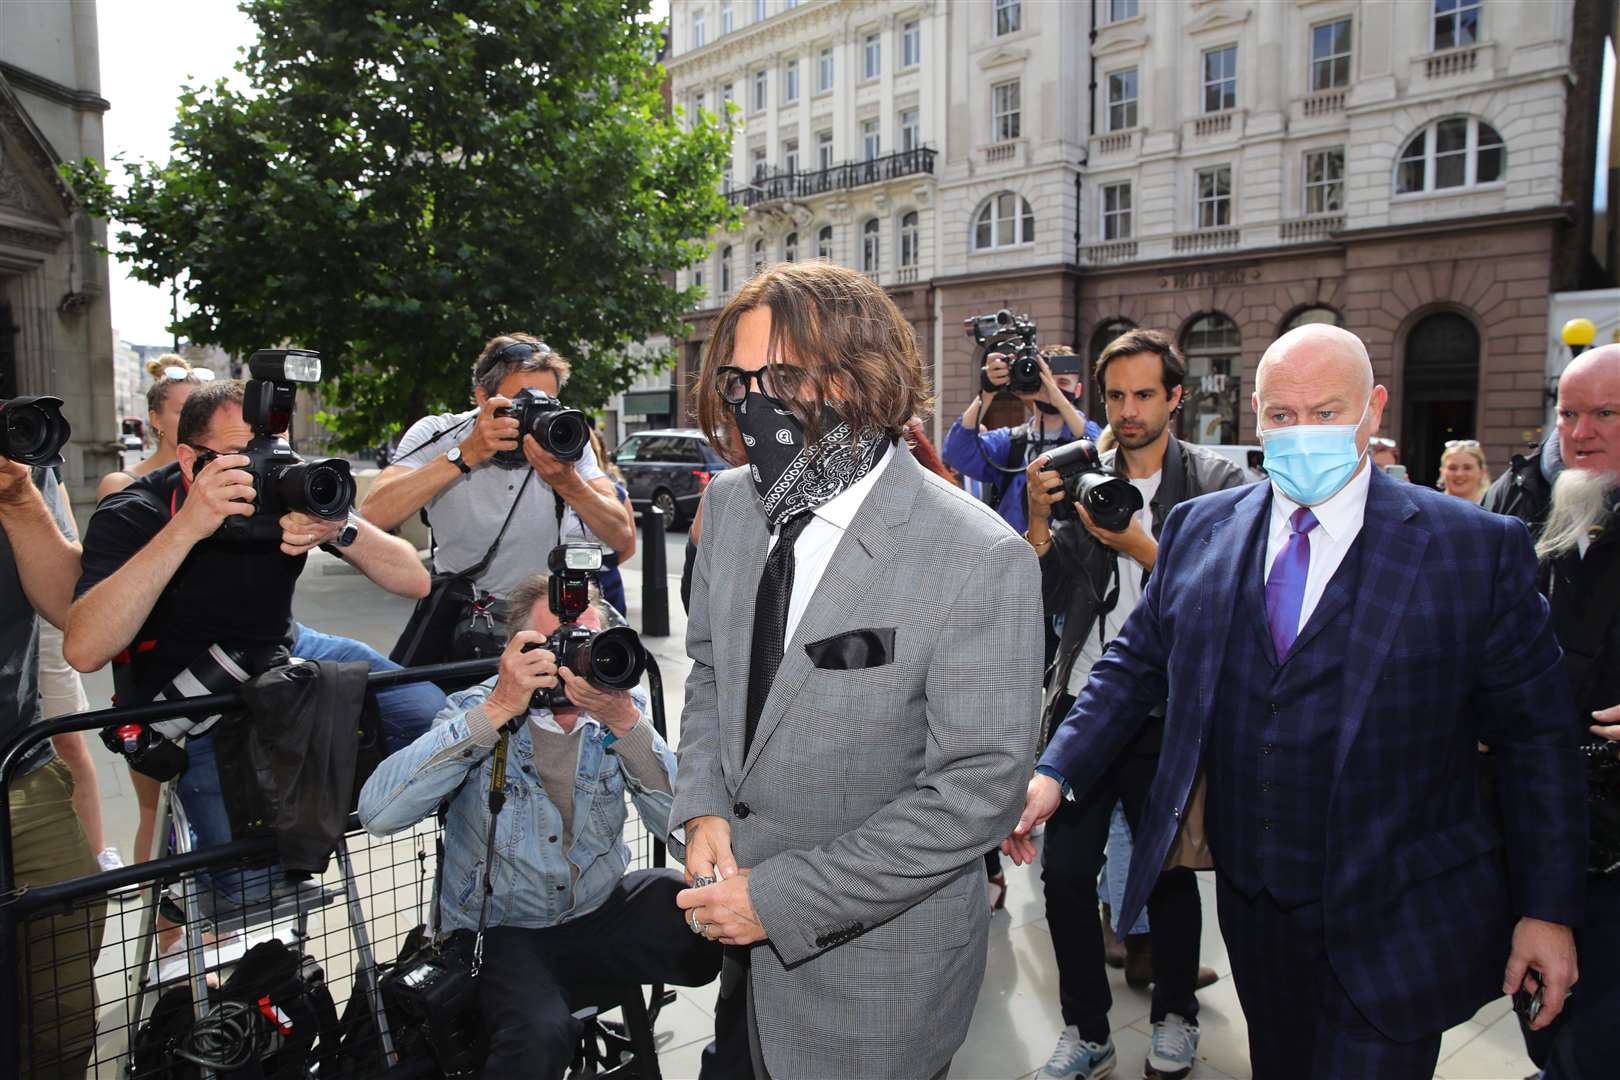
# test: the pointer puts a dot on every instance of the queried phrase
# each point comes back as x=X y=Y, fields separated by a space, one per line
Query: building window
x=790 y=247
x=1213 y=346
x=725 y=270
x=1215 y=197
x=910 y=130
x=697 y=276
x=1005 y=220
x=824 y=150
x=1459 y=151
x=871 y=139
x=1330 y=55
x=1325 y=316
x=824 y=242
x=1220 y=79
x=790 y=81
x=759 y=256
x=756 y=168
x=1008 y=16
x=762 y=89
x=1456 y=23
x=727 y=178
x=910 y=240
x=910 y=45
x=790 y=155
x=697 y=29
x=872 y=62
x=1123 y=9
x=869 y=246
x=728 y=93
x=726 y=23
x=1116 y=218
x=1122 y=100
x=698 y=102
x=1324 y=181
x=824 y=71
x=1004 y=111
x=759 y=10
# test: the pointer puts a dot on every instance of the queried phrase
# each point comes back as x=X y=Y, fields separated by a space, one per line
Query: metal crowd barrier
x=349 y=919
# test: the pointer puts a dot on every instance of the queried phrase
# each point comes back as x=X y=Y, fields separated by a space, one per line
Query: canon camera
x=611 y=659
x=1110 y=500
x=995 y=331
x=33 y=430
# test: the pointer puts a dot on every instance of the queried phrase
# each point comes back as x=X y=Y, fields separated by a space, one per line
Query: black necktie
x=770 y=622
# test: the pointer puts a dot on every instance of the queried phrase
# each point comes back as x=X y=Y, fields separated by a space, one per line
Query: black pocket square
x=856 y=649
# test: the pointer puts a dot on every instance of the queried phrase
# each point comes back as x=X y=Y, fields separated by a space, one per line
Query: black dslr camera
x=612 y=659
x=561 y=432
x=1110 y=500
x=283 y=482
x=991 y=332
x=33 y=430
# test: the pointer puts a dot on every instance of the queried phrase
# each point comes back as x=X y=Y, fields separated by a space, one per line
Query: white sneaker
x=1075 y=1059
x=109 y=859
x=1175 y=1041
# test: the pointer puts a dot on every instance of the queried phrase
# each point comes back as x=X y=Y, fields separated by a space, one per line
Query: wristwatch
x=350 y=530
x=454 y=457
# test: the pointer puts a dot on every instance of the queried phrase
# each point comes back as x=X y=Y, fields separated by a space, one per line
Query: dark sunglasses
x=780 y=382
x=516 y=352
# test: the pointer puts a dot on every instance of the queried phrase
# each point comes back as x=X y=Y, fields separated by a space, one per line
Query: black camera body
x=561 y=432
x=283 y=482
x=1110 y=500
x=612 y=659
x=993 y=331
x=33 y=430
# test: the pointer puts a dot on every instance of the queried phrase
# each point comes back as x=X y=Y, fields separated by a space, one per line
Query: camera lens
x=563 y=433
x=614 y=659
x=1110 y=500
x=32 y=430
x=323 y=488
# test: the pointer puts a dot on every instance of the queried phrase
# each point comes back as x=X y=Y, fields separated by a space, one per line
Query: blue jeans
x=406 y=711
x=1118 y=867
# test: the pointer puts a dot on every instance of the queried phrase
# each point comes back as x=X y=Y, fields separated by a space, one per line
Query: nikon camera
x=1001 y=328
x=612 y=659
x=561 y=432
x=283 y=482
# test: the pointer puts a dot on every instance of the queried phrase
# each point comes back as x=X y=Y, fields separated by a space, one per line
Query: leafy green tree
x=402 y=179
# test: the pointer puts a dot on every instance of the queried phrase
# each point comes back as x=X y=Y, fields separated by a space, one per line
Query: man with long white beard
x=1579 y=550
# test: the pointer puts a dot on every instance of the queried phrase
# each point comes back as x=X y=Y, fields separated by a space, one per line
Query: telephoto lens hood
x=33 y=430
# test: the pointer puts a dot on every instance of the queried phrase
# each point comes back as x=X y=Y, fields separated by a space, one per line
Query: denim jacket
x=531 y=879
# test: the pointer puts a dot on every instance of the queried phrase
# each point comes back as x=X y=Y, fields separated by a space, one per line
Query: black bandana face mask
x=790 y=477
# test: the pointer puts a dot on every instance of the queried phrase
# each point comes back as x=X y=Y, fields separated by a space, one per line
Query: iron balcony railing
x=770 y=187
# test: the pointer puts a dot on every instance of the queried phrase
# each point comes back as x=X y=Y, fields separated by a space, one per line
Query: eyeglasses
x=781 y=382
x=175 y=373
x=1462 y=444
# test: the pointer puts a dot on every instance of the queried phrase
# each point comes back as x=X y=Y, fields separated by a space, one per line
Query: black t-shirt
x=225 y=592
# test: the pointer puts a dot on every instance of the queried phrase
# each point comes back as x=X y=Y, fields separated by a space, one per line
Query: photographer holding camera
x=38 y=565
x=1094 y=565
x=553 y=915
x=997 y=457
x=196 y=560
x=519 y=464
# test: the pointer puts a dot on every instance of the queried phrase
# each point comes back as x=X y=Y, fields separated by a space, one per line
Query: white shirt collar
x=1338 y=517
x=840 y=510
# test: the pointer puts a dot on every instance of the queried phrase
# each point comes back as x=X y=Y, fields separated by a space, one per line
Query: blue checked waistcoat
x=1447 y=644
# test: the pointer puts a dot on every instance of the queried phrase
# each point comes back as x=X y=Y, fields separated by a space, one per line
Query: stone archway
x=1439 y=390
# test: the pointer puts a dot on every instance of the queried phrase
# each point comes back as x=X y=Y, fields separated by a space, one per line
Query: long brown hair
x=859 y=351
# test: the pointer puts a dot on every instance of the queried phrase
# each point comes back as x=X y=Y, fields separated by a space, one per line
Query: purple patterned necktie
x=1285 y=588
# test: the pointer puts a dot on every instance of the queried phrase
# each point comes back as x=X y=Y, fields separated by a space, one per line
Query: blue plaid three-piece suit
x=1447 y=644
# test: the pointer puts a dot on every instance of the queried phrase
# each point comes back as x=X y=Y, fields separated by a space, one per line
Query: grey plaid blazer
x=871 y=795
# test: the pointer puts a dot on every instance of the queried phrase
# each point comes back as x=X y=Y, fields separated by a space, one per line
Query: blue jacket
x=449 y=762
x=960 y=454
x=1450 y=645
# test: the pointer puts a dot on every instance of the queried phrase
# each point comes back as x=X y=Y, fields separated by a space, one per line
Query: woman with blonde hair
x=173 y=380
x=1463 y=471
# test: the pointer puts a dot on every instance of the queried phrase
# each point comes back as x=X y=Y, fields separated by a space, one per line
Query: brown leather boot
x=1207 y=977
x=1138 y=961
x=1113 y=948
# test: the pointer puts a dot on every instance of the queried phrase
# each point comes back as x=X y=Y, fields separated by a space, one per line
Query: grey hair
x=1580 y=500
x=536 y=589
x=490 y=375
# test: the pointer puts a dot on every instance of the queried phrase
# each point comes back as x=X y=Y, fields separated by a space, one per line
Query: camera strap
x=481 y=565
x=497 y=799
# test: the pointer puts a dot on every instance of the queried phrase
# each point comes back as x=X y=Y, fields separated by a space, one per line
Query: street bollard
x=654 y=575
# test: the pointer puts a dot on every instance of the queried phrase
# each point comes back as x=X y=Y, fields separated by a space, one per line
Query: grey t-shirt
x=19 y=634
x=467 y=513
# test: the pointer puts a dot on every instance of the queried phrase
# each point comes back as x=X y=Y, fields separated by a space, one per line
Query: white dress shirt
x=815 y=546
x=1338 y=522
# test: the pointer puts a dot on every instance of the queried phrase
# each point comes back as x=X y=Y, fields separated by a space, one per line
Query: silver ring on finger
x=697 y=927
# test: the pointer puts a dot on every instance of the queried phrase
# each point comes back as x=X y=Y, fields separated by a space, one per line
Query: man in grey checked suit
x=866 y=655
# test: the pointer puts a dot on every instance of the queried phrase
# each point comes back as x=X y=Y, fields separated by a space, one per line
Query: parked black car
x=668 y=469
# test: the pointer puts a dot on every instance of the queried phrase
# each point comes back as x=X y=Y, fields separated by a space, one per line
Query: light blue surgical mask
x=1309 y=463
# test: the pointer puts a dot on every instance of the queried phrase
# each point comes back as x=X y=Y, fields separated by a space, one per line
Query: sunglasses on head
x=1462 y=444
x=507 y=354
x=175 y=373
x=1382 y=443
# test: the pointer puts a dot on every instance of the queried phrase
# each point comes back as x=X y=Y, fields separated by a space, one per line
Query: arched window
x=909 y=239
x=725 y=270
x=824 y=242
x=1105 y=333
x=1459 y=151
x=1307 y=316
x=1213 y=345
x=1005 y=220
x=790 y=248
x=1439 y=390
x=759 y=256
x=869 y=245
